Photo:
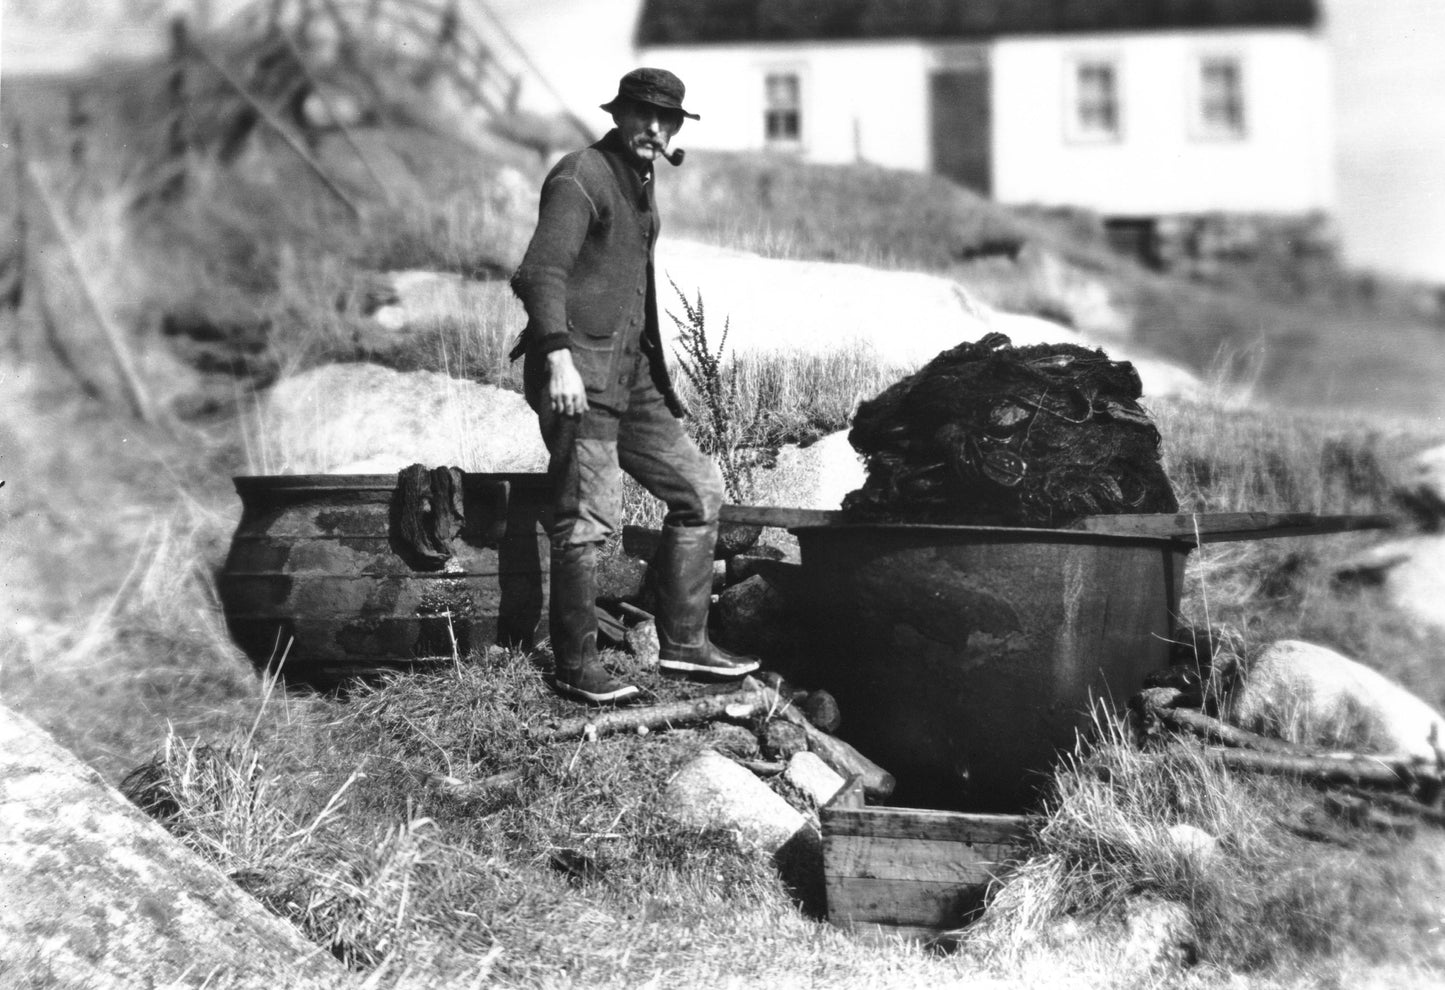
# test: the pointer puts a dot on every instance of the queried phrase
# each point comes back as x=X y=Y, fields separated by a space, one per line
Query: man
x=596 y=375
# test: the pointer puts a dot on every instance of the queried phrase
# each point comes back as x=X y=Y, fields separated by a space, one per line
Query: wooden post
x=178 y=142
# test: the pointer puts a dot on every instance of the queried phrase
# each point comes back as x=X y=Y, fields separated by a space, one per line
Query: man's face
x=646 y=129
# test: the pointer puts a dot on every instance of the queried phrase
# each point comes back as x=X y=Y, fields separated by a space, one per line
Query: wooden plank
x=880 y=934
x=780 y=516
x=852 y=900
x=927 y=860
x=1215 y=527
x=923 y=823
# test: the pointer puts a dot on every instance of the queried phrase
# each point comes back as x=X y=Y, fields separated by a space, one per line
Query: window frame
x=1201 y=126
x=1076 y=129
x=784 y=142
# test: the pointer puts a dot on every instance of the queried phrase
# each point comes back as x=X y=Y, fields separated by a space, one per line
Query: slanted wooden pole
x=135 y=389
x=272 y=121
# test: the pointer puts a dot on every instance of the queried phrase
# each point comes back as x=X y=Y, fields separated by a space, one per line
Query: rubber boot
x=683 y=565
x=572 y=621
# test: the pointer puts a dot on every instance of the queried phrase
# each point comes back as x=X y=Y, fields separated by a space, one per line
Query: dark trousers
x=590 y=452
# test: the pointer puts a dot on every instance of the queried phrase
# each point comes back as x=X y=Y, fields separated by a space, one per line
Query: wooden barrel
x=318 y=584
x=965 y=658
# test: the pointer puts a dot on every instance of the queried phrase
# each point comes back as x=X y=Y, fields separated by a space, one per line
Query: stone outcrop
x=1309 y=694
x=95 y=894
x=366 y=419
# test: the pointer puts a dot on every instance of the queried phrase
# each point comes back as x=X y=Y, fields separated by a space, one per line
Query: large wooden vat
x=965 y=658
x=316 y=574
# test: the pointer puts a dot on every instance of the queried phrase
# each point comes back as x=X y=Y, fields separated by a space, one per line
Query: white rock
x=1193 y=841
x=366 y=419
x=1310 y=694
x=809 y=774
x=811 y=307
x=813 y=477
x=714 y=792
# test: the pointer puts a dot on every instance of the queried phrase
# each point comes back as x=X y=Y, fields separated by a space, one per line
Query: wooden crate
x=915 y=872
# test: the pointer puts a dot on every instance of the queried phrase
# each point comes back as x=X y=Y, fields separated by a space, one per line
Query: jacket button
x=639 y=290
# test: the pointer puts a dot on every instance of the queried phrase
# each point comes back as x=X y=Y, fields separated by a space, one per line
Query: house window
x=1096 y=99
x=1221 y=97
x=783 y=109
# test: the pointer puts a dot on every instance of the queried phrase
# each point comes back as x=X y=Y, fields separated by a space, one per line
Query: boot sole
x=607 y=698
x=724 y=673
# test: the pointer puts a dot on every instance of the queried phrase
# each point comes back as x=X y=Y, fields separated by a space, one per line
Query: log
x=1386 y=770
x=461 y=789
x=1158 y=703
x=1403 y=804
x=737 y=706
x=847 y=761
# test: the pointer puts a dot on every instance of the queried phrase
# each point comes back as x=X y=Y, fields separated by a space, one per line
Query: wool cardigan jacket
x=587 y=280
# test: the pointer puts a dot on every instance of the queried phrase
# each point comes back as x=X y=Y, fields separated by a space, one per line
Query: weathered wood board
x=914 y=872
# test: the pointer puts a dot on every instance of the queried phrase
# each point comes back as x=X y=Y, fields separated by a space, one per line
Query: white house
x=1132 y=108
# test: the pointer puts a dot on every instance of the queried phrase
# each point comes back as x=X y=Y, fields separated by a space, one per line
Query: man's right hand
x=565 y=392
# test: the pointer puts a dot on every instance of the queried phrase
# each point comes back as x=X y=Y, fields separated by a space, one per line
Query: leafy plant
x=719 y=431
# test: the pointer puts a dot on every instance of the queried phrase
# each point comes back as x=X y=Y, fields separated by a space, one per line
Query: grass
x=319 y=806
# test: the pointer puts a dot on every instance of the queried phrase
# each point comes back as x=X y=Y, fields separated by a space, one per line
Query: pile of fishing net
x=991 y=434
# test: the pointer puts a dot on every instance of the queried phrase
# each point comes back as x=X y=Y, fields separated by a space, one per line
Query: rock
x=366 y=419
x=642 y=642
x=108 y=899
x=809 y=774
x=754 y=617
x=814 y=306
x=821 y=708
x=813 y=477
x=713 y=792
x=782 y=740
x=1158 y=933
x=1409 y=572
x=1310 y=694
x=1193 y=842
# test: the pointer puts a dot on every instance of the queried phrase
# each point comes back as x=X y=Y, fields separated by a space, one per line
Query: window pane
x=1097 y=98
x=1221 y=93
x=782 y=114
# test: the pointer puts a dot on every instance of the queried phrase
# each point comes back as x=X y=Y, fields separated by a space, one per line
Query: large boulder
x=367 y=419
x=1309 y=694
x=904 y=318
x=95 y=894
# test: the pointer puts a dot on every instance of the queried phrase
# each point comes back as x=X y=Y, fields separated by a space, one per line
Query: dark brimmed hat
x=655 y=86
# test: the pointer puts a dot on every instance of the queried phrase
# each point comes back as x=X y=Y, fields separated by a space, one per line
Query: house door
x=960 y=124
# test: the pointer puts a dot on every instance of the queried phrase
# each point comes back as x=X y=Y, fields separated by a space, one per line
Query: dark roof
x=663 y=22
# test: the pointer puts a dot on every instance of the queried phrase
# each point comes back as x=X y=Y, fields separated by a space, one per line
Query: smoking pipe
x=675 y=156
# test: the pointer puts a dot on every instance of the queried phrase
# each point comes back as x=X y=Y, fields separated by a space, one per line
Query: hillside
x=254 y=269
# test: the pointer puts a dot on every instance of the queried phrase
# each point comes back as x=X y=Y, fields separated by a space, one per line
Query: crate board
x=914 y=872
